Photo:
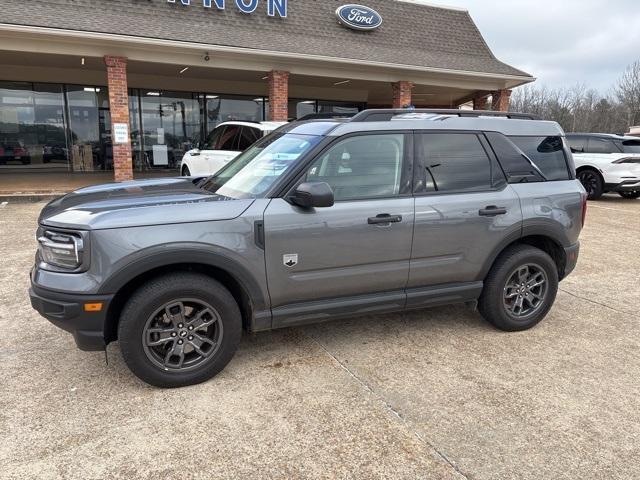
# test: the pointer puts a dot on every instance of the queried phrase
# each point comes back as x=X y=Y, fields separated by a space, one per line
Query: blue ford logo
x=359 y=17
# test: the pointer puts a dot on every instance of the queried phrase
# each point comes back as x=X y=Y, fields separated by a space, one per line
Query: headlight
x=62 y=250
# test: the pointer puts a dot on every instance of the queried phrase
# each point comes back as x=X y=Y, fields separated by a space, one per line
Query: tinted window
x=248 y=136
x=601 y=145
x=547 y=153
x=229 y=139
x=577 y=144
x=631 y=146
x=367 y=166
x=214 y=138
x=455 y=163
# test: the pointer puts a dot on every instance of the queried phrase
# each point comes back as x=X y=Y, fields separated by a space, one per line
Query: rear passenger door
x=464 y=211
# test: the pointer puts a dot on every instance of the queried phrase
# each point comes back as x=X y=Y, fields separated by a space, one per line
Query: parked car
x=607 y=163
x=320 y=220
x=223 y=144
x=11 y=151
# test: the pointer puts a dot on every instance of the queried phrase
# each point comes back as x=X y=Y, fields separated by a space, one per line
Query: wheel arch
x=241 y=284
x=543 y=239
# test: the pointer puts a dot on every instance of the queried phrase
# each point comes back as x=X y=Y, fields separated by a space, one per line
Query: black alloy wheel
x=592 y=183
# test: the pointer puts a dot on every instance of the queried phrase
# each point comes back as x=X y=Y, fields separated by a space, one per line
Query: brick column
x=480 y=102
x=500 y=100
x=278 y=96
x=119 y=109
x=401 y=93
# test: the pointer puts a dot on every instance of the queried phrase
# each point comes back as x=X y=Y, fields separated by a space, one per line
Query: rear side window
x=601 y=145
x=454 y=162
x=547 y=153
x=631 y=146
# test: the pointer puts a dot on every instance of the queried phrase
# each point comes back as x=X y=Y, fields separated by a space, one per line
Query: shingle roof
x=412 y=34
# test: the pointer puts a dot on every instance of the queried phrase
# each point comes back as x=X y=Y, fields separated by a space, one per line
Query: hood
x=139 y=203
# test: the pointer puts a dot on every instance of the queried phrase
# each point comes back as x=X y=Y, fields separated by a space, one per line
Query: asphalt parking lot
x=429 y=394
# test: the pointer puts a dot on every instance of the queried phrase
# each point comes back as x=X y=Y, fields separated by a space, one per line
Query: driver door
x=352 y=257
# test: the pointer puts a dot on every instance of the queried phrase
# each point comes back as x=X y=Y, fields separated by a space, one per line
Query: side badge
x=290 y=259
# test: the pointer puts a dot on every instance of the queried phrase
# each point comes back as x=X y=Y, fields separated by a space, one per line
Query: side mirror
x=313 y=194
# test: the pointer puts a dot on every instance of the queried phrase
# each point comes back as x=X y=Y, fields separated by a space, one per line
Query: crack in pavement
x=595 y=302
x=390 y=408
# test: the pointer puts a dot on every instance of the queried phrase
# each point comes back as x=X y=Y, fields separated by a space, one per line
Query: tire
x=592 y=182
x=493 y=303
x=146 y=330
x=186 y=172
x=630 y=195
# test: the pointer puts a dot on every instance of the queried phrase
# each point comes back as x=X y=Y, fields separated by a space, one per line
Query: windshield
x=253 y=172
x=631 y=146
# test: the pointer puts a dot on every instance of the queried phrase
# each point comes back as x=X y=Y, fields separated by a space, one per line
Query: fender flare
x=174 y=254
x=549 y=229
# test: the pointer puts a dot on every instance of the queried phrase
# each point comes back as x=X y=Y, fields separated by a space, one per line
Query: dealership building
x=122 y=88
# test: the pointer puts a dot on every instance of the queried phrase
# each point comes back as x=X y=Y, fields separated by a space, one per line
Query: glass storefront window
x=223 y=108
x=300 y=108
x=90 y=125
x=339 y=107
x=32 y=128
x=171 y=122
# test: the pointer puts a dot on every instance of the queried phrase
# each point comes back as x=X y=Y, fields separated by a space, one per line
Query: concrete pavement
x=428 y=394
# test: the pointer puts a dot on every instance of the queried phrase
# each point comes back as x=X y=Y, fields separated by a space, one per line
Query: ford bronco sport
x=386 y=211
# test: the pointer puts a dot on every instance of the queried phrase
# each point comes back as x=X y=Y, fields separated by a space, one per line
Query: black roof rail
x=324 y=116
x=385 y=114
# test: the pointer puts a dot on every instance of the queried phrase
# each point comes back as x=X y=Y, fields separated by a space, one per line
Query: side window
x=601 y=145
x=248 y=136
x=577 y=144
x=214 y=138
x=229 y=139
x=366 y=166
x=547 y=153
x=455 y=162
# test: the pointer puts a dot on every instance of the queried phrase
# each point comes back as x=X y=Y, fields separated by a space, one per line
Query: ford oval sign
x=359 y=17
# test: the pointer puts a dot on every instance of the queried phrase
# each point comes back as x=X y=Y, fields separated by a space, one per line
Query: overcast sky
x=561 y=42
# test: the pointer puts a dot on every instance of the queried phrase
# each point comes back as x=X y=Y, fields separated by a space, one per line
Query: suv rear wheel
x=592 y=182
x=519 y=289
x=179 y=329
x=185 y=171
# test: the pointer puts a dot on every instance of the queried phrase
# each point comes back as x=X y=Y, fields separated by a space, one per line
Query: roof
x=506 y=126
x=412 y=33
x=602 y=135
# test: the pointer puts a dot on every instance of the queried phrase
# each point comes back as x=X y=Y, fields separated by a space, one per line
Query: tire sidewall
x=492 y=303
x=146 y=301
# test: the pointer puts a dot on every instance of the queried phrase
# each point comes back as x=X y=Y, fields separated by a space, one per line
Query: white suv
x=223 y=144
x=607 y=163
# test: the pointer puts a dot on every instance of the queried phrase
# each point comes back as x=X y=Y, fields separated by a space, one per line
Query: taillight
x=584 y=208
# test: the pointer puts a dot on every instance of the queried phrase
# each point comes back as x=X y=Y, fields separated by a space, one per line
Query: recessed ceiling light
x=258 y=99
x=82 y=61
x=342 y=82
x=265 y=77
x=184 y=69
x=153 y=94
x=211 y=97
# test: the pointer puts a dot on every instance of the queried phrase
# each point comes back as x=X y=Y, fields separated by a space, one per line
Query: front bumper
x=625 y=186
x=66 y=311
x=571 y=256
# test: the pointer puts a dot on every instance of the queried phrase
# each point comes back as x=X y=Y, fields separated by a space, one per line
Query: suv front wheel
x=179 y=329
x=519 y=289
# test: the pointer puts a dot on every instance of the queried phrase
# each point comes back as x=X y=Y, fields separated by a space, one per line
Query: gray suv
x=386 y=211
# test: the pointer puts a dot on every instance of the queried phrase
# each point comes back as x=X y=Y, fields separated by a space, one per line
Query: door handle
x=384 y=218
x=492 y=211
